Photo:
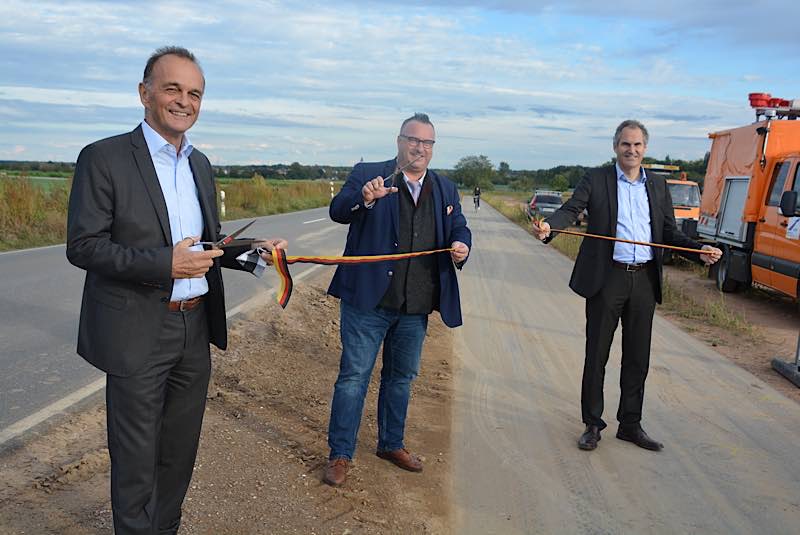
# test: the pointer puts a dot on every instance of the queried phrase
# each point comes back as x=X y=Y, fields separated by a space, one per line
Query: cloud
x=554 y=128
x=686 y=117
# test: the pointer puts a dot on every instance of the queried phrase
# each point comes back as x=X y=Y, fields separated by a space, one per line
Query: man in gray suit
x=152 y=301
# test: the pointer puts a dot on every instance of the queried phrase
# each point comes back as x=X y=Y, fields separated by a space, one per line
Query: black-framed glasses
x=414 y=141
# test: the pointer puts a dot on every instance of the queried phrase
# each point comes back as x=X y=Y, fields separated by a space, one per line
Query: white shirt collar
x=155 y=143
x=621 y=174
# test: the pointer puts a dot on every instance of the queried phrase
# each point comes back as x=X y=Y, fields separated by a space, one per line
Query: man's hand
x=460 y=251
x=189 y=264
x=269 y=245
x=711 y=256
x=541 y=228
x=374 y=189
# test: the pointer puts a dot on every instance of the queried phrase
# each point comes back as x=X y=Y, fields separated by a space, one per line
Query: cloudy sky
x=532 y=83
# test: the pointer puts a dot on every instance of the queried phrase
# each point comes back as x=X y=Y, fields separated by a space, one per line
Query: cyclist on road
x=476 y=197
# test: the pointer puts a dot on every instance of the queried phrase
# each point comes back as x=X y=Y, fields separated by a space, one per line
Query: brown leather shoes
x=402 y=458
x=336 y=471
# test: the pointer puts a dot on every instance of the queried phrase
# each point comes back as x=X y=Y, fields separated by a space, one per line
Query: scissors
x=227 y=240
x=397 y=171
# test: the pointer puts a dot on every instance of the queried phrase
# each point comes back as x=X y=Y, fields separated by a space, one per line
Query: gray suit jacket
x=597 y=193
x=118 y=231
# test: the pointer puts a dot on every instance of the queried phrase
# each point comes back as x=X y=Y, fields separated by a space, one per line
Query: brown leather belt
x=183 y=306
x=630 y=267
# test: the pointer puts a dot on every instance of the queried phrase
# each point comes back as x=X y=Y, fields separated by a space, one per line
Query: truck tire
x=724 y=281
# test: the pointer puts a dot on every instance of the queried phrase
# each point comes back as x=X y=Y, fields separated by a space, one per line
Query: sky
x=534 y=84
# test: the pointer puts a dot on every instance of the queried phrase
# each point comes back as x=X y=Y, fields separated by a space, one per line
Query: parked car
x=544 y=203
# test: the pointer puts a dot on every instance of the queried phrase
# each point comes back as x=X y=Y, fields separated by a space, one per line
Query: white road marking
x=315 y=220
x=26 y=424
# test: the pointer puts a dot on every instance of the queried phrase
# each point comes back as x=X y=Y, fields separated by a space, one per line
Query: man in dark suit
x=389 y=302
x=152 y=301
x=621 y=280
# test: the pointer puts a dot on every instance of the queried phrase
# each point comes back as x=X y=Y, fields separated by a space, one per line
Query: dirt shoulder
x=772 y=325
x=263 y=445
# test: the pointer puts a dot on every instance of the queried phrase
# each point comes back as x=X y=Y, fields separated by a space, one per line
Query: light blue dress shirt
x=633 y=220
x=183 y=204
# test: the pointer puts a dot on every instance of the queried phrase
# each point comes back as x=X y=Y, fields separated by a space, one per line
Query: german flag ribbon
x=281 y=262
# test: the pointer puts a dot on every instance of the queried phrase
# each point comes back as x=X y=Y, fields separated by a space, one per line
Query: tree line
x=469 y=172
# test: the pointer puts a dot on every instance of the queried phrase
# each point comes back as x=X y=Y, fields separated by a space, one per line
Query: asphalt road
x=730 y=462
x=40 y=297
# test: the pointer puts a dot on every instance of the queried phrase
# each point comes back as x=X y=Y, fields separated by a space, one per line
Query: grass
x=31 y=215
x=714 y=312
x=258 y=196
x=34 y=212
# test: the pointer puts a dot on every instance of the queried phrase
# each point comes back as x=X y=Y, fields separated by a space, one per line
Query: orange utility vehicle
x=685 y=195
x=749 y=206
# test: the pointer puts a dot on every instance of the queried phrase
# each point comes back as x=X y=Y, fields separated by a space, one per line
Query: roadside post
x=331 y=183
x=790 y=370
x=222 y=203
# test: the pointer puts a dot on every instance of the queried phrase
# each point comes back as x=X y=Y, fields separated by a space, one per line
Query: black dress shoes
x=640 y=438
x=589 y=438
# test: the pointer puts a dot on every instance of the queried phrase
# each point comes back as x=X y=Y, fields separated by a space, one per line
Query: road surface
x=730 y=462
x=40 y=297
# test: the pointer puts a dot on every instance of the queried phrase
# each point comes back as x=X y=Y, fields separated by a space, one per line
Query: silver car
x=543 y=204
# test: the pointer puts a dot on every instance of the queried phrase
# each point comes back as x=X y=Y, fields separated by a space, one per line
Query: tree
x=503 y=173
x=297 y=172
x=474 y=171
x=560 y=182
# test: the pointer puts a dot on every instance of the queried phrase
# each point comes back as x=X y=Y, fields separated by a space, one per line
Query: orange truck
x=749 y=206
x=685 y=195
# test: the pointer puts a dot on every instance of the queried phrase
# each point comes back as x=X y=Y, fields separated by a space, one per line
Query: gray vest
x=415 y=284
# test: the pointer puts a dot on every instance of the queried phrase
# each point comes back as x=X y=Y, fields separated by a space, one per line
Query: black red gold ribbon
x=281 y=262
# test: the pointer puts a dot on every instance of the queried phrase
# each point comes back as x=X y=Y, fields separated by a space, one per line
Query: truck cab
x=749 y=206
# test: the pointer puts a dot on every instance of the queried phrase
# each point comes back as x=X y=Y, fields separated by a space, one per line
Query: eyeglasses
x=414 y=141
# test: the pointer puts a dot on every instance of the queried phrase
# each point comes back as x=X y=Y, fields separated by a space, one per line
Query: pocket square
x=449 y=209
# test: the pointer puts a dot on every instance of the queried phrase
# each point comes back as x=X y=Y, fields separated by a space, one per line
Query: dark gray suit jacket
x=597 y=193
x=118 y=231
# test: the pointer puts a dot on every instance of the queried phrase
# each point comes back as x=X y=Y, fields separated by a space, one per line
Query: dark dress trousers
x=157 y=361
x=612 y=293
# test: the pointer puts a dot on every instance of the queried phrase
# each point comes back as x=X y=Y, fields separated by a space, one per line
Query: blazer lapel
x=204 y=191
x=611 y=186
x=438 y=206
x=651 y=201
x=147 y=172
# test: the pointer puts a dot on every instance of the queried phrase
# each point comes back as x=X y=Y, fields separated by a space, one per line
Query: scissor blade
x=230 y=237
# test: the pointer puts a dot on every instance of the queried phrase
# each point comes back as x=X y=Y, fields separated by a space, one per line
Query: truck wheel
x=724 y=282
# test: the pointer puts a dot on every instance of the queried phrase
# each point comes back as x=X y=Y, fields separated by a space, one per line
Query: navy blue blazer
x=374 y=231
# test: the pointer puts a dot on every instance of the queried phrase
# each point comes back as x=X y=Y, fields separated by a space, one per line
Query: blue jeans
x=362 y=334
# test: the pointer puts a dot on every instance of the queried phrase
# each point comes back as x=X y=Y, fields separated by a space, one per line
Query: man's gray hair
x=167 y=51
x=630 y=123
x=417 y=117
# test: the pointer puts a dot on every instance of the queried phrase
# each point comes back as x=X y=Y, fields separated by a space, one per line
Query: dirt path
x=263 y=444
x=264 y=438
x=728 y=464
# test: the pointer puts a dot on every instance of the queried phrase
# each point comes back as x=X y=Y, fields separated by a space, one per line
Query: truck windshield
x=685 y=195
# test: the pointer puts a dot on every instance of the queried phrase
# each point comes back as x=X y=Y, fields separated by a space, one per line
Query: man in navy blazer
x=389 y=302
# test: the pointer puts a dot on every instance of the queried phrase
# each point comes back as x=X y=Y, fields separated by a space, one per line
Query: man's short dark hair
x=167 y=51
x=630 y=123
x=418 y=117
